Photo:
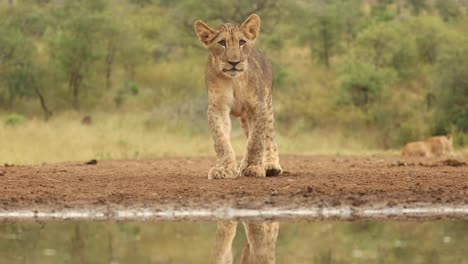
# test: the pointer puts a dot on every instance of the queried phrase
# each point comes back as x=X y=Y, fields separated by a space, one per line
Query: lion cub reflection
x=260 y=247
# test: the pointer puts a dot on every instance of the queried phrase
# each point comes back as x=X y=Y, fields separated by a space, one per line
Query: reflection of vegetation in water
x=178 y=242
x=105 y=242
x=373 y=242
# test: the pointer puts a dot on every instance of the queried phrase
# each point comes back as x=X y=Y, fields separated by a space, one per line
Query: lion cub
x=239 y=80
x=433 y=146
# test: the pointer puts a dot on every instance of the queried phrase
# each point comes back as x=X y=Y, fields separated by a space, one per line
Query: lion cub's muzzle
x=233 y=67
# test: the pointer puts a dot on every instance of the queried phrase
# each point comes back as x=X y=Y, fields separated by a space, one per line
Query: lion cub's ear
x=251 y=26
x=204 y=33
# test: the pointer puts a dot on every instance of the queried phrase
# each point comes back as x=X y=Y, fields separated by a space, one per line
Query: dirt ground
x=180 y=182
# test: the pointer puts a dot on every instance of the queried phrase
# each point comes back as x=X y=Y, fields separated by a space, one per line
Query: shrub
x=387 y=45
x=362 y=83
x=14 y=119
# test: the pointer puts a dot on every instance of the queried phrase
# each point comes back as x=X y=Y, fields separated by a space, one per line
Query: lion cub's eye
x=242 y=42
x=222 y=43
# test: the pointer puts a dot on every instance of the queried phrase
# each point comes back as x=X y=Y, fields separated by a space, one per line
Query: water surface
x=192 y=242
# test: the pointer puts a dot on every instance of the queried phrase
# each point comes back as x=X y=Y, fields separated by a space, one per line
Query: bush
x=362 y=83
x=430 y=35
x=14 y=119
x=129 y=88
x=387 y=45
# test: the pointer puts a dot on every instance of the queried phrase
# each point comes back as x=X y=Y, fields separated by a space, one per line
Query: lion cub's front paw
x=252 y=171
x=272 y=169
x=219 y=172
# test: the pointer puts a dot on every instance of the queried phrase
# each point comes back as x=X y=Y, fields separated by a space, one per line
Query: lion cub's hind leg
x=252 y=163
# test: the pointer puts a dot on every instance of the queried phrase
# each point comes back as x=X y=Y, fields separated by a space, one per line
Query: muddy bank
x=181 y=183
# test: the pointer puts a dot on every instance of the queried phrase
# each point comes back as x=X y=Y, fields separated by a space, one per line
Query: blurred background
x=82 y=79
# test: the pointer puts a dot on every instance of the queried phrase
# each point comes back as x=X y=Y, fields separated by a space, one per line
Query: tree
x=75 y=42
x=386 y=45
x=351 y=18
x=418 y=6
x=327 y=25
x=448 y=9
x=430 y=34
x=362 y=83
x=18 y=72
x=381 y=11
x=184 y=13
x=451 y=88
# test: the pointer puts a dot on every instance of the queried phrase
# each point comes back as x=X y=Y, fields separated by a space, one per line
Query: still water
x=193 y=242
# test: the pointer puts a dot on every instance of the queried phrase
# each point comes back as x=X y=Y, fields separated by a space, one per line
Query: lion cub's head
x=229 y=45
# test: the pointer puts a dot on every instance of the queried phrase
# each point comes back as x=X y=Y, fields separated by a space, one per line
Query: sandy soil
x=180 y=182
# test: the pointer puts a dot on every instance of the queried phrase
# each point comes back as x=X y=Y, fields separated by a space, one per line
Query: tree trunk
x=326 y=50
x=109 y=64
x=11 y=99
x=326 y=43
x=45 y=109
x=74 y=84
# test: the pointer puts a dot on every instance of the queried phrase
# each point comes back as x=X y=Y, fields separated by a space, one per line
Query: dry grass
x=128 y=136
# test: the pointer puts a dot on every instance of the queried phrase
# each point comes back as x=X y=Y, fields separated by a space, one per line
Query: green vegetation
x=394 y=71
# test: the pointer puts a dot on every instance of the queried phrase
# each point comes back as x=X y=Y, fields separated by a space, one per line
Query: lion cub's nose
x=233 y=63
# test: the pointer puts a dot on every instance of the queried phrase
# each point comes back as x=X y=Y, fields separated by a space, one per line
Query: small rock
x=2 y=173
x=309 y=189
x=401 y=163
x=87 y=120
x=453 y=163
x=91 y=162
x=274 y=192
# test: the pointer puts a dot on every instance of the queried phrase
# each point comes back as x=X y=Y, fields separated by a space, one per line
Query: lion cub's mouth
x=233 y=70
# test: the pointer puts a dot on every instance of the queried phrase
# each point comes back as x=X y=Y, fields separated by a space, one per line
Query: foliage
x=330 y=24
x=392 y=69
x=129 y=88
x=363 y=83
x=418 y=6
x=449 y=9
x=387 y=46
x=74 y=44
x=430 y=34
x=452 y=88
